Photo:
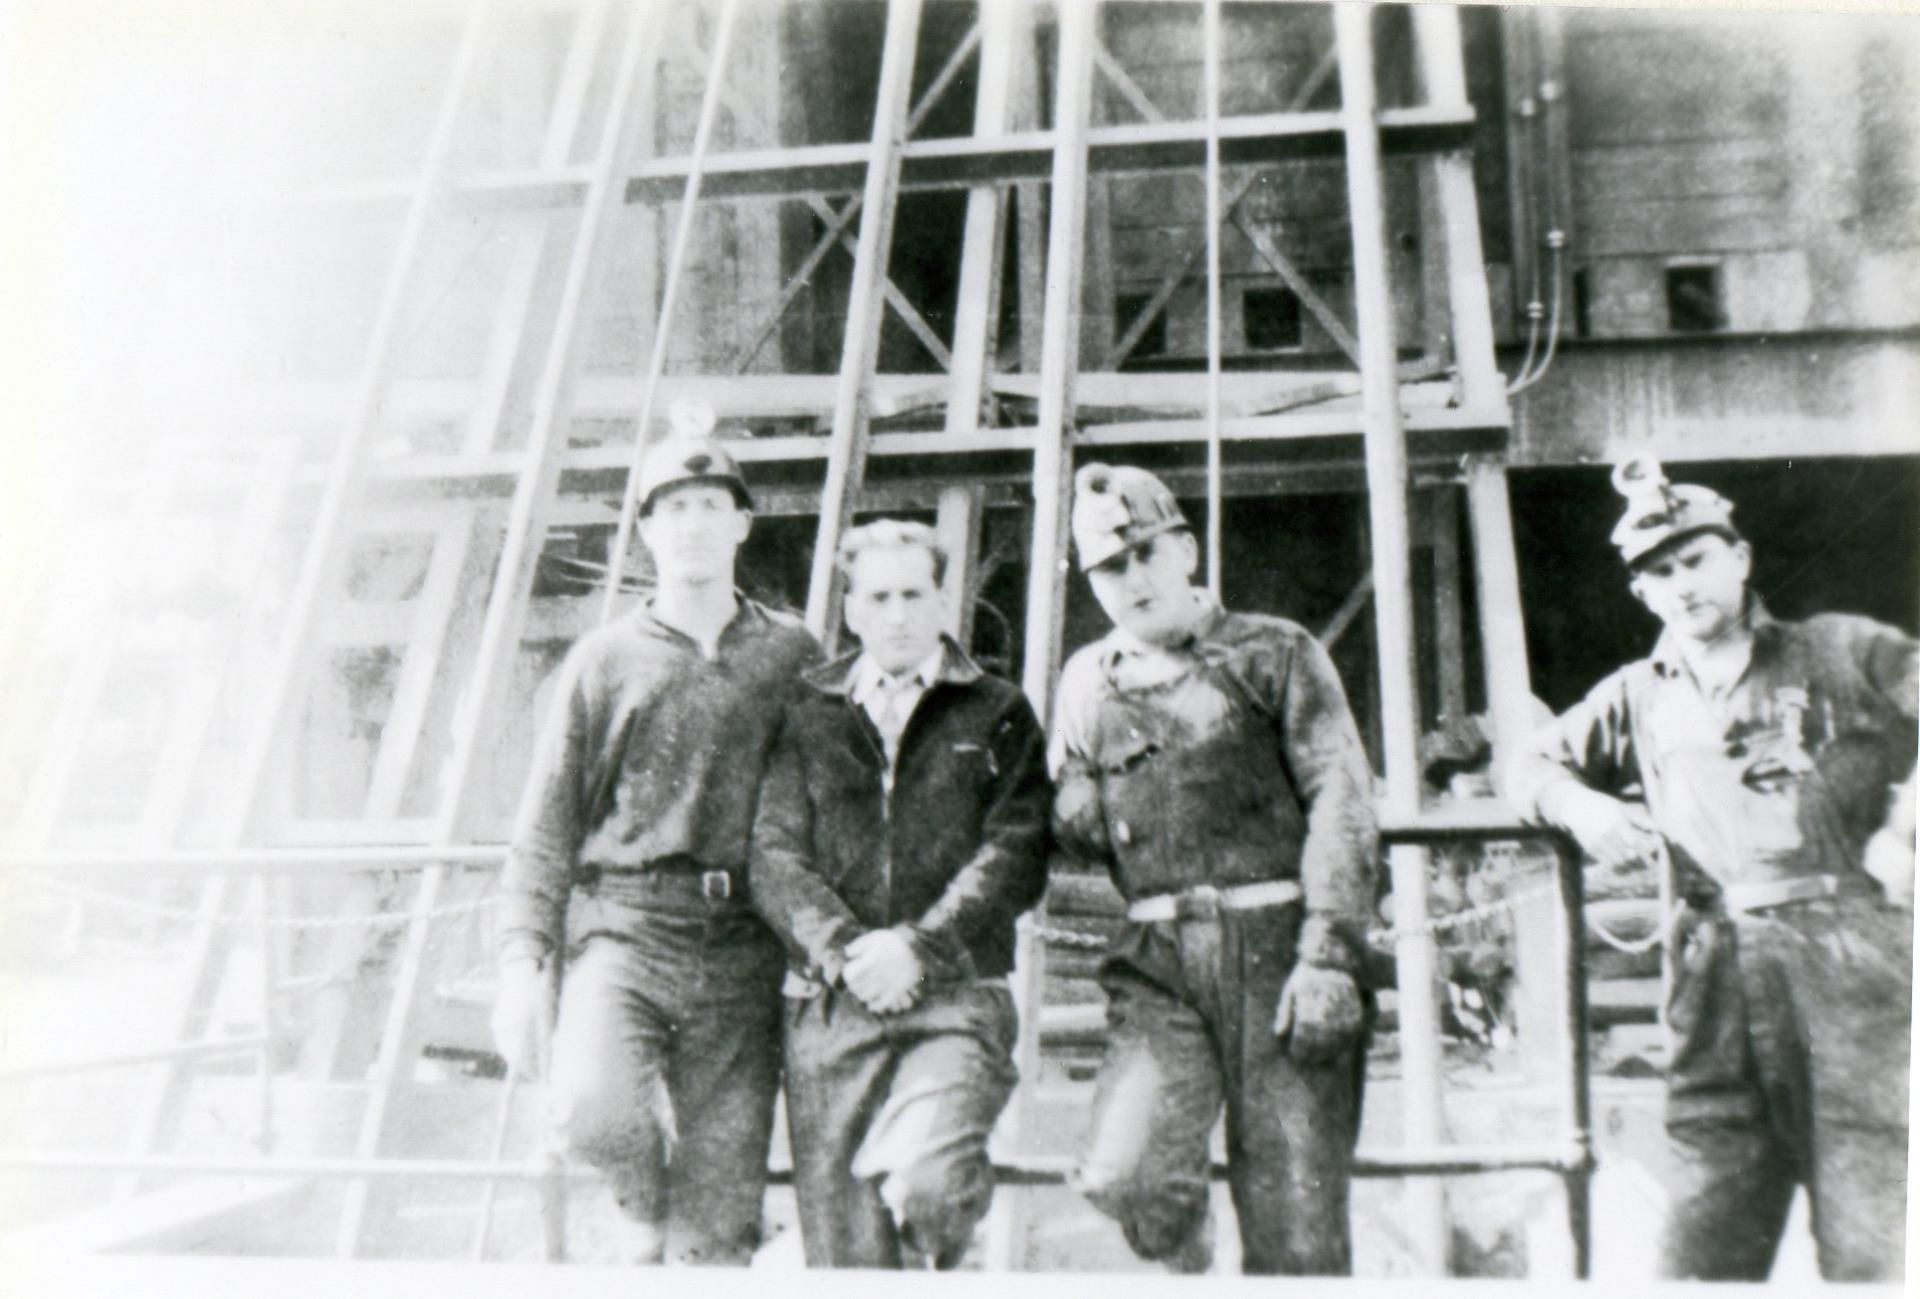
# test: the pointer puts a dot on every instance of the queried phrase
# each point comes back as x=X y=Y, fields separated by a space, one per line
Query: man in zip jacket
x=902 y=829
x=1775 y=762
x=1208 y=759
x=632 y=843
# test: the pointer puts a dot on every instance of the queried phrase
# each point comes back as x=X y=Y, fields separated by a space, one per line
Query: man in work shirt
x=1767 y=753
x=632 y=838
x=902 y=830
x=1210 y=761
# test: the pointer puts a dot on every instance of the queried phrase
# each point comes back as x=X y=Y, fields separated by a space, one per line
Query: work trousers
x=1790 y=1033
x=889 y=1117
x=1190 y=1016
x=665 y=1067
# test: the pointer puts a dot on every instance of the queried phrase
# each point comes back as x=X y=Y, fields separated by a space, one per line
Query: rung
x=955 y=162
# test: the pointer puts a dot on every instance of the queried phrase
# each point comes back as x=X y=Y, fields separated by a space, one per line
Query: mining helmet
x=1659 y=512
x=691 y=454
x=1115 y=508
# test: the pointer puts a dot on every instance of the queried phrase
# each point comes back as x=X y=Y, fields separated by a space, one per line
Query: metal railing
x=1569 y=1154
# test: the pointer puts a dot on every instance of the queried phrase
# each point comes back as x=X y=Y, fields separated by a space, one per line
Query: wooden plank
x=957 y=162
x=1003 y=24
x=1503 y=633
x=1387 y=481
x=247 y=556
x=84 y=684
x=1449 y=635
x=421 y=669
x=847 y=443
x=325 y=553
x=529 y=237
x=629 y=120
x=958 y=517
x=890 y=293
x=1462 y=276
x=1242 y=189
x=399 y=1048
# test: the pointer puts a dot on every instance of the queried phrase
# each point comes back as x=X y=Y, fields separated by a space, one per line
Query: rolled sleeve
x=1590 y=744
x=1078 y=815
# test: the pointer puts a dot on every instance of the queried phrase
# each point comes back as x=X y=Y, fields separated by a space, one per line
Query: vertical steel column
x=1576 y=1075
x=1052 y=481
x=1386 y=457
x=1210 y=41
x=847 y=449
x=1503 y=633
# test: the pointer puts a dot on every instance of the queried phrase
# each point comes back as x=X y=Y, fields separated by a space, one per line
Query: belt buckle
x=716 y=886
x=1201 y=902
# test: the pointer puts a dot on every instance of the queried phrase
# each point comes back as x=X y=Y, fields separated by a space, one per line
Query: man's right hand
x=523 y=1016
x=1613 y=833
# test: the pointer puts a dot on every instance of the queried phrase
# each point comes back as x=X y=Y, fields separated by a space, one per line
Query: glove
x=523 y=1016
x=1079 y=819
x=1319 y=1014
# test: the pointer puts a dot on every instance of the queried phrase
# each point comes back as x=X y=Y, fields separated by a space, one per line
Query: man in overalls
x=1767 y=754
x=632 y=839
x=1209 y=760
x=902 y=830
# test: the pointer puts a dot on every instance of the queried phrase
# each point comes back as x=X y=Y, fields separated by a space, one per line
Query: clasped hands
x=883 y=971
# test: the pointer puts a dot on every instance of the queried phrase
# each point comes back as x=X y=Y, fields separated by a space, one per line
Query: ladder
x=982 y=454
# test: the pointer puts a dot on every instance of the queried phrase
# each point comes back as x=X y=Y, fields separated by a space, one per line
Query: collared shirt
x=1129 y=663
x=889 y=698
x=652 y=749
x=1228 y=758
x=1783 y=773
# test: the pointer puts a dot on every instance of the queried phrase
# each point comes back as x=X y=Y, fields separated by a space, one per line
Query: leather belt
x=714 y=884
x=1207 y=901
x=1772 y=893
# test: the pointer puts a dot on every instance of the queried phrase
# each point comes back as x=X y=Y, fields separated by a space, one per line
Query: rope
x=1454 y=920
x=1069 y=937
x=249 y=919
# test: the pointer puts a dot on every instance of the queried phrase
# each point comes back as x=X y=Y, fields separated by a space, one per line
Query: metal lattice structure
x=423 y=578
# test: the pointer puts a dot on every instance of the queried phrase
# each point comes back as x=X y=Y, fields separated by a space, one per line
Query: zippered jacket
x=950 y=844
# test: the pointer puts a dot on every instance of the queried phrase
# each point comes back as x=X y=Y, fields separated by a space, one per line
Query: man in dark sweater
x=632 y=840
x=902 y=830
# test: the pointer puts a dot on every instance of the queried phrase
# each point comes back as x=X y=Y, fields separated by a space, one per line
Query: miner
x=1209 y=760
x=902 y=830
x=1768 y=764
x=629 y=862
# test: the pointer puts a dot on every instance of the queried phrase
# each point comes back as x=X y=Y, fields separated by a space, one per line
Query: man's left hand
x=1320 y=1013
x=883 y=971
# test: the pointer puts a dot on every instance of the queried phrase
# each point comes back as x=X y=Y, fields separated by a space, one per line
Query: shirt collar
x=1124 y=644
x=869 y=677
x=1669 y=661
x=747 y=613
